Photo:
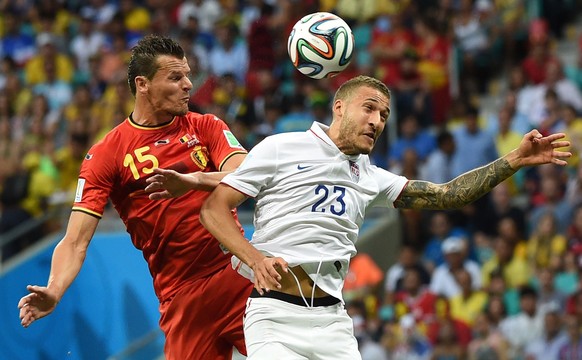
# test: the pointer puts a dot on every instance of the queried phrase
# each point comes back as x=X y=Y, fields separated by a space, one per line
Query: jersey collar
x=320 y=131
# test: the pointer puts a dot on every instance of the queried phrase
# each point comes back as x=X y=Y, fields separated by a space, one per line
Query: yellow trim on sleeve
x=87 y=211
x=228 y=157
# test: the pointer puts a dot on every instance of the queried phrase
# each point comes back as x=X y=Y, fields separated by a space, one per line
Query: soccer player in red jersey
x=202 y=299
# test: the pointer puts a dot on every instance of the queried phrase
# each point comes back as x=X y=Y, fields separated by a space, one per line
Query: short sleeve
x=256 y=170
x=390 y=186
x=95 y=182
x=221 y=142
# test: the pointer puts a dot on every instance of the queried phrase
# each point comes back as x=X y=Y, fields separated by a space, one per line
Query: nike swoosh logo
x=299 y=167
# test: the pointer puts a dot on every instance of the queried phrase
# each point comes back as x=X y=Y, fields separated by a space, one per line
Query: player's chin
x=366 y=150
x=182 y=110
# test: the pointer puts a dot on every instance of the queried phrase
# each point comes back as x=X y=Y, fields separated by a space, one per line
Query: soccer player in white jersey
x=312 y=190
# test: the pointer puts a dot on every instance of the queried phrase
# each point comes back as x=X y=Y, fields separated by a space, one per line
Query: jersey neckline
x=148 y=127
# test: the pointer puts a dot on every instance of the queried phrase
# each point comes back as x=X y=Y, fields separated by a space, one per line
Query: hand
x=266 y=275
x=535 y=149
x=167 y=184
x=39 y=303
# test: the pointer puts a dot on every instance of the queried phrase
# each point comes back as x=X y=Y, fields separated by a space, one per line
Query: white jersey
x=310 y=201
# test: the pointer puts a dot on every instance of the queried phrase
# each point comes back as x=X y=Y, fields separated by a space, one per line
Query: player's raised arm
x=68 y=257
x=534 y=149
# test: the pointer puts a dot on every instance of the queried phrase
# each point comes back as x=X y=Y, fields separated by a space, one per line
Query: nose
x=187 y=86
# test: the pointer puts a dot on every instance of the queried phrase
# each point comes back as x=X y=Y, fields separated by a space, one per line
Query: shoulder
x=114 y=138
x=286 y=139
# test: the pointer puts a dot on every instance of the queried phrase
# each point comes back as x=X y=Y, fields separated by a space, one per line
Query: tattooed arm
x=534 y=149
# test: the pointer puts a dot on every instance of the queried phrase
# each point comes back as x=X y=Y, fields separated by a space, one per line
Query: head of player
x=361 y=107
x=158 y=79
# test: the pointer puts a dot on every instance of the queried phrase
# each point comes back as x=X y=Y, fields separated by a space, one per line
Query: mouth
x=371 y=135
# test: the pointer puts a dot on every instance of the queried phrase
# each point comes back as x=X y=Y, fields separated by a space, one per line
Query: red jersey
x=175 y=245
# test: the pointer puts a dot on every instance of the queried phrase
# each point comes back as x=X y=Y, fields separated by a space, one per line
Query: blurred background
x=498 y=279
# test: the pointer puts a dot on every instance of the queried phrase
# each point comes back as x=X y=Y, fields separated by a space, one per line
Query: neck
x=145 y=116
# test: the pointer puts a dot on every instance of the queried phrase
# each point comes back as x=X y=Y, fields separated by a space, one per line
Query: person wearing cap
x=443 y=279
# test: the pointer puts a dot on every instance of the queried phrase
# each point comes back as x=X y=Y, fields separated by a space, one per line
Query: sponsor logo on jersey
x=200 y=157
x=80 y=188
x=355 y=171
x=232 y=140
x=162 y=142
x=302 y=167
x=88 y=156
x=190 y=140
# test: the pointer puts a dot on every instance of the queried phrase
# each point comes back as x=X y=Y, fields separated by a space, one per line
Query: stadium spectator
x=440 y=228
x=408 y=257
x=412 y=136
x=433 y=50
x=16 y=43
x=443 y=281
x=438 y=165
x=513 y=268
x=553 y=201
x=539 y=58
x=470 y=302
x=101 y=11
x=35 y=70
x=548 y=294
x=548 y=346
x=546 y=245
x=474 y=147
x=88 y=42
x=572 y=349
x=526 y=326
x=206 y=12
x=487 y=341
x=230 y=54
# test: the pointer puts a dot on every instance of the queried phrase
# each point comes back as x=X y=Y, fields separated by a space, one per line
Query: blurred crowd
x=494 y=280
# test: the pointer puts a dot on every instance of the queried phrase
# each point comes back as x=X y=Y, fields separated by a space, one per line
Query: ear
x=338 y=109
x=141 y=84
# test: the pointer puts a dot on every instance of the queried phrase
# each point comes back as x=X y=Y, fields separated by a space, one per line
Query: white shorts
x=276 y=329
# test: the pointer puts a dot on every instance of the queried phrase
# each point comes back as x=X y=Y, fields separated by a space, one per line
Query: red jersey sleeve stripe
x=228 y=157
x=401 y=191
x=87 y=211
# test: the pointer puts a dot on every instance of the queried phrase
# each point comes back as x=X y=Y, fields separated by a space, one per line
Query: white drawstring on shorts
x=314 y=284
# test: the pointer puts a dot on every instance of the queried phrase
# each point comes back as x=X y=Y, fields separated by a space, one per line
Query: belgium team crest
x=200 y=156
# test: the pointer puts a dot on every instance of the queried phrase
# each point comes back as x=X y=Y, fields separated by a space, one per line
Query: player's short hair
x=347 y=89
x=144 y=57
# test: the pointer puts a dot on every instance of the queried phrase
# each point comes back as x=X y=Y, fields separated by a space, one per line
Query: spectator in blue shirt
x=412 y=136
x=474 y=147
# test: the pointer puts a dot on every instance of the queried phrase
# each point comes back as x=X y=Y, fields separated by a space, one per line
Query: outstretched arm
x=167 y=183
x=68 y=257
x=534 y=149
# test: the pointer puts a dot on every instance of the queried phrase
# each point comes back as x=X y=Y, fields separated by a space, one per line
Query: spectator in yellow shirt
x=546 y=245
x=467 y=305
x=515 y=269
x=34 y=70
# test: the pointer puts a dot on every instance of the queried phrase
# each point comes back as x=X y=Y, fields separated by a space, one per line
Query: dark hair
x=443 y=137
x=144 y=56
x=527 y=291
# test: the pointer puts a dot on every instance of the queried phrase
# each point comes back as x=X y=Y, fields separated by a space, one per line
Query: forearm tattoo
x=458 y=192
